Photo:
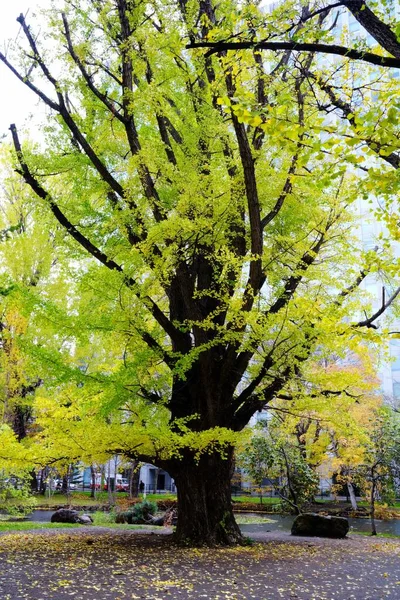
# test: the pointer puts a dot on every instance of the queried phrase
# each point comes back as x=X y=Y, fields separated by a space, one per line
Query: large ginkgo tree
x=207 y=202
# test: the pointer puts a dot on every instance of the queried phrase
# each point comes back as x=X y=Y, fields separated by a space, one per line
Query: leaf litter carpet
x=101 y=564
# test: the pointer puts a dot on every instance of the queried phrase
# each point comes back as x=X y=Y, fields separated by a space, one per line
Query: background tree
x=303 y=438
x=26 y=258
x=378 y=475
x=209 y=241
x=278 y=462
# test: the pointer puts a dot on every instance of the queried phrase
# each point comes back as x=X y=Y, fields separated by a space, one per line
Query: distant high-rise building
x=346 y=30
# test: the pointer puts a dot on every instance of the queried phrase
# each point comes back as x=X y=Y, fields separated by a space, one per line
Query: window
x=354 y=26
x=396 y=389
x=396 y=364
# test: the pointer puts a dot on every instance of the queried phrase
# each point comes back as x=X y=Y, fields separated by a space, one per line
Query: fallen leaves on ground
x=121 y=566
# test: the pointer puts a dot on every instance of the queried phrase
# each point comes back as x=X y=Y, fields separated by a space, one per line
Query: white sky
x=16 y=101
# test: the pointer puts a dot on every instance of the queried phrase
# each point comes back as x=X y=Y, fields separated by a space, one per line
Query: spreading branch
x=98 y=254
x=370 y=321
x=348 y=112
x=334 y=49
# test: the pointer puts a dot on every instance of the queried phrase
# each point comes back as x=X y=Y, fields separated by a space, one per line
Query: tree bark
x=93 y=481
x=291 y=490
x=205 y=514
x=64 y=485
x=352 y=496
x=42 y=484
x=372 y=507
x=33 y=482
x=134 y=480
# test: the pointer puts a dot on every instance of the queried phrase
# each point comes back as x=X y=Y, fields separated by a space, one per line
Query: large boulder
x=65 y=515
x=312 y=524
x=85 y=520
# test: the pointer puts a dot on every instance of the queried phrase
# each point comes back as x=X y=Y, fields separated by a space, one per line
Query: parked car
x=121 y=485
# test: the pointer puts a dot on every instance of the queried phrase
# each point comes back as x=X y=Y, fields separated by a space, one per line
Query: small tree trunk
x=134 y=480
x=292 y=494
x=33 y=480
x=157 y=472
x=372 y=507
x=205 y=515
x=93 y=481
x=352 y=496
x=110 y=492
x=42 y=485
x=64 y=485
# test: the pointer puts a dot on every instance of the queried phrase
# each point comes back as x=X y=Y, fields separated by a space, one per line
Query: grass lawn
x=243 y=519
x=256 y=499
x=395 y=505
x=378 y=535
x=75 y=499
x=247 y=499
x=106 y=519
x=100 y=519
x=25 y=525
x=84 y=499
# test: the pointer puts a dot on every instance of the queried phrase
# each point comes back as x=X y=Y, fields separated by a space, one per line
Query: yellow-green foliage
x=211 y=262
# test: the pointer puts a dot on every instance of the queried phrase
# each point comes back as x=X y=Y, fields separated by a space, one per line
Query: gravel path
x=108 y=564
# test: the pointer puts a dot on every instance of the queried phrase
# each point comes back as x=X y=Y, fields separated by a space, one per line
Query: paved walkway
x=108 y=564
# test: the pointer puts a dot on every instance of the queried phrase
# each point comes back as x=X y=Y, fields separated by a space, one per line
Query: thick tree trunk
x=205 y=515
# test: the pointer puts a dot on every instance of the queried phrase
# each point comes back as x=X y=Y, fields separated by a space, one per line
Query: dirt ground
x=101 y=564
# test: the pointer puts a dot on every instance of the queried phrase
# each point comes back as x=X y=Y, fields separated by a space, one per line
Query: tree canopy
x=204 y=211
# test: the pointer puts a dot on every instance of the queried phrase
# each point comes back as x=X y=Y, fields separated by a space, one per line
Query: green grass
x=243 y=519
x=155 y=497
x=76 y=499
x=100 y=519
x=379 y=535
x=256 y=499
x=390 y=506
x=83 y=498
x=26 y=525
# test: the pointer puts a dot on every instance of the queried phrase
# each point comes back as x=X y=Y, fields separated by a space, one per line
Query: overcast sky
x=16 y=101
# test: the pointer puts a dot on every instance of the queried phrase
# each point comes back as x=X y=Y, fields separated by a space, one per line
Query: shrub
x=167 y=504
x=138 y=513
x=15 y=497
x=125 y=504
x=384 y=513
